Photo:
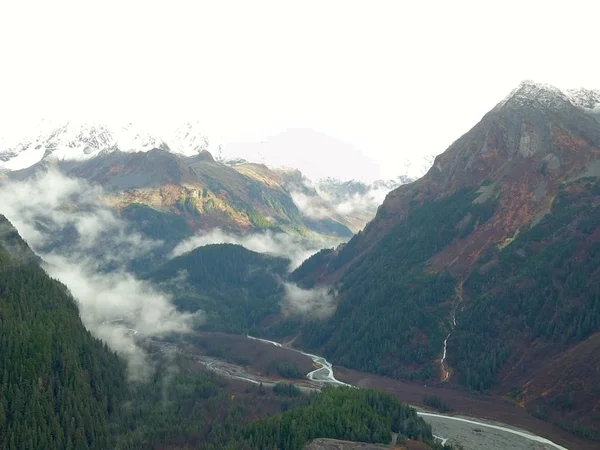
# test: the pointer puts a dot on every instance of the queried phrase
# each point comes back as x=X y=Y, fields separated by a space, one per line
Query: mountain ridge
x=485 y=266
x=483 y=152
x=78 y=141
x=135 y=167
x=197 y=191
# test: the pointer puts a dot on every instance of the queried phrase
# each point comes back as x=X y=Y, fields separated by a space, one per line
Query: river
x=447 y=428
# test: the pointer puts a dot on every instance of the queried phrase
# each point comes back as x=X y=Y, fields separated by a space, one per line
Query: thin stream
x=328 y=377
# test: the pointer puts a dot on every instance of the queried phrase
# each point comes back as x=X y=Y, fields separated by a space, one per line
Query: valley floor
x=465 y=403
x=238 y=357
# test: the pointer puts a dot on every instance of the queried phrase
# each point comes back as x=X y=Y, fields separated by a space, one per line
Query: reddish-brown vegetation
x=473 y=405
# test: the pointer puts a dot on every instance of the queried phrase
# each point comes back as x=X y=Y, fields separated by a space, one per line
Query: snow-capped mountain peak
x=584 y=98
x=531 y=93
x=188 y=141
x=130 y=138
x=80 y=141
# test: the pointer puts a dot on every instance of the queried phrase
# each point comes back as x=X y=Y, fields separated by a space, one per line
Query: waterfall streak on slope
x=329 y=377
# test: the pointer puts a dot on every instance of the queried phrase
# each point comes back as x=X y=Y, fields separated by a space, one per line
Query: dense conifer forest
x=339 y=413
x=235 y=287
x=389 y=305
x=61 y=388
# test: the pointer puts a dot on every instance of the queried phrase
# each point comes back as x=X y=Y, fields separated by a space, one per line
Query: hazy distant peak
x=315 y=154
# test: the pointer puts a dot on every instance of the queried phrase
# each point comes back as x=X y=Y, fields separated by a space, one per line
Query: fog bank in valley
x=295 y=248
x=114 y=305
x=86 y=246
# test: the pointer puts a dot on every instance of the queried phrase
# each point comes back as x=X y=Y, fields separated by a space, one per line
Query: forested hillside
x=396 y=313
x=496 y=250
x=339 y=413
x=540 y=292
x=59 y=386
x=235 y=287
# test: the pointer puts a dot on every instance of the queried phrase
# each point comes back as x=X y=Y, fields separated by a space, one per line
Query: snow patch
x=531 y=93
x=75 y=141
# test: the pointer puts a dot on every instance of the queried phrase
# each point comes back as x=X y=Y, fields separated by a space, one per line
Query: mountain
x=60 y=386
x=236 y=288
x=330 y=201
x=72 y=141
x=168 y=196
x=143 y=175
x=357 y=200
x=169 y=177
x=327 y=221
x=322 y=194
x=484 y=272
x=351 y=202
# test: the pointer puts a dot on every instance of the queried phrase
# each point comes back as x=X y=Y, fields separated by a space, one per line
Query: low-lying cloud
x=119 y=309
x=65 y=221
x=296 y=248
x=318 y=303
x=355 y=199
x=50 y=208
x=360 y=204
x=312 y=207
x=114 y=306
x=346 y=202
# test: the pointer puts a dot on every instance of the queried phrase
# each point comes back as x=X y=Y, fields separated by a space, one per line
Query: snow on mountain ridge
x=585 y=98
x=130 y=138
x=81 y=141
x=532 y=93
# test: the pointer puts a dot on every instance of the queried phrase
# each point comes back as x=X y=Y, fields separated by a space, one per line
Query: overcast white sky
x=390 y=78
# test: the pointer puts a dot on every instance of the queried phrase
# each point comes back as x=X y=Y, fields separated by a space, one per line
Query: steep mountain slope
x=520 y=152
x=159 y=187
x=59 y=384
x=171 y=173
x=533 y=314
x=486 y=263
x=317 y=211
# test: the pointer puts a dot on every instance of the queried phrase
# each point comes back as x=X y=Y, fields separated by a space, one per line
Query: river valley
x=480 y=422
x=472 y=433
